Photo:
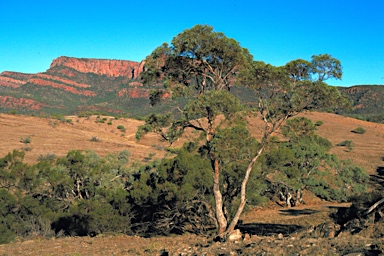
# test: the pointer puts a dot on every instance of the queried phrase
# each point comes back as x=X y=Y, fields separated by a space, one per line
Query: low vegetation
x=346 y=143
x=359 y=130
x=85 y=194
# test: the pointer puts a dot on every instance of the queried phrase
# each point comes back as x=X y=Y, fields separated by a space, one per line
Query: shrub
x=95 y=139
x=359 y=130
x=25 y=140
x=121 y=128
x=47 y=157
x=319 y=123
x=346 y=143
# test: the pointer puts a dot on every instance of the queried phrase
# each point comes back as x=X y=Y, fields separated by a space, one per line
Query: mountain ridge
x=72 y=85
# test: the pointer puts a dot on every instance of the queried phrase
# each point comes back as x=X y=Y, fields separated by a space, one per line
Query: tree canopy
x=202 y=65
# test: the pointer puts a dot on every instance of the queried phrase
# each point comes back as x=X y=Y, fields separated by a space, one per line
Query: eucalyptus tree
x=284 y=92
x=202 y=65
x=324 y=67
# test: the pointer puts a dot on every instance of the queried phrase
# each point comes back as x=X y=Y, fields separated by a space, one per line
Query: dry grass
x=368 y=148
x=50 y=136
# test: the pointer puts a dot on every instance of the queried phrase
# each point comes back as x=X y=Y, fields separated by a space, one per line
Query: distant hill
x=73 y=85
x=368 y=102
x=78 y=85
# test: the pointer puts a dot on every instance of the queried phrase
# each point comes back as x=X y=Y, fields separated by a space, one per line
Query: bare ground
x=276 y=231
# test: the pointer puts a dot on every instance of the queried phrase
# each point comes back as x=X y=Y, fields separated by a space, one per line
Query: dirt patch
x=52 y=136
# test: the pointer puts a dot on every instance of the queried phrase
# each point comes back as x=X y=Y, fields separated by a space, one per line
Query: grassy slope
x=52 y=136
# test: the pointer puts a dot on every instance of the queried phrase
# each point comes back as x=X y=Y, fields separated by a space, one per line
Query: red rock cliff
x=112 y=68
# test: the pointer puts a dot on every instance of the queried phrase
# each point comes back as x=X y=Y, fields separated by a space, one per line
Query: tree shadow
x=380 y=170
x=297 y=212
x=378 y=180
x=74 y=225
x=265 y=229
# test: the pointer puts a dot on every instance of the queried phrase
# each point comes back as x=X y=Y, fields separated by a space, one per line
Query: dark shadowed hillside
x=368 y=102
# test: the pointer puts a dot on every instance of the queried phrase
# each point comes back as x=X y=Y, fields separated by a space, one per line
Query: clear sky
x=33 y=33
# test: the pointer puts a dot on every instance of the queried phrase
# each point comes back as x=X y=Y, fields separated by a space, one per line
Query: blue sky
x=33 y=33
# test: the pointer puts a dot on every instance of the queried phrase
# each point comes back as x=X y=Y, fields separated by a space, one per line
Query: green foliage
x=79 y=194
x=324 y=67
x=121 y=128
x=47 y=157
x=298 y=127
x=174 y=195
x=235 y=148
x=346 y=143
x=359 y=130
x=95 y=139
x=202 y=66
x=304 y=162
x=366 y=102
x=7 y=219
x=319 y=123
x=298 y=69
x=61 y=118
x=25 y=140
x=197 y=58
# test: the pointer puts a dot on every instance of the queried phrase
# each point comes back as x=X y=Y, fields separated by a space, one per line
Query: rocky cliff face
x=65 y=78
x=72 y=83
x=13 y=79
x=111 y=68
x=20 y=103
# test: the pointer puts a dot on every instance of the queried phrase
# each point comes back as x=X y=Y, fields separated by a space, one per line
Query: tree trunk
x=243 y=190
x=299 y=197
x=288 y=201
x=221 y=220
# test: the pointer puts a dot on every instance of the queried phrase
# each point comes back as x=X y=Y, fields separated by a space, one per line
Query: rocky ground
x=304 y=230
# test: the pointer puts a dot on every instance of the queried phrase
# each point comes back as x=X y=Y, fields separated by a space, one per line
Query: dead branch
x=374 y=206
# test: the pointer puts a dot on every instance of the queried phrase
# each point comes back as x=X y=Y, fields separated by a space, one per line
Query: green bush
x=25 y=140
x=359 y=130
x=121 y=128
x=95 y=139
x=47 y=157
x=346 y=143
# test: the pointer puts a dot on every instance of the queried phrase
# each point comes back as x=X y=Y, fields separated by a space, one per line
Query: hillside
x=52 y=136
x=78 y=85
x=73 y=85
x=368 y=103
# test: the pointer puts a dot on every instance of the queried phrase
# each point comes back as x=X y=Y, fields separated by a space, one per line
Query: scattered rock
x=235 y=235
x=247 y=238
